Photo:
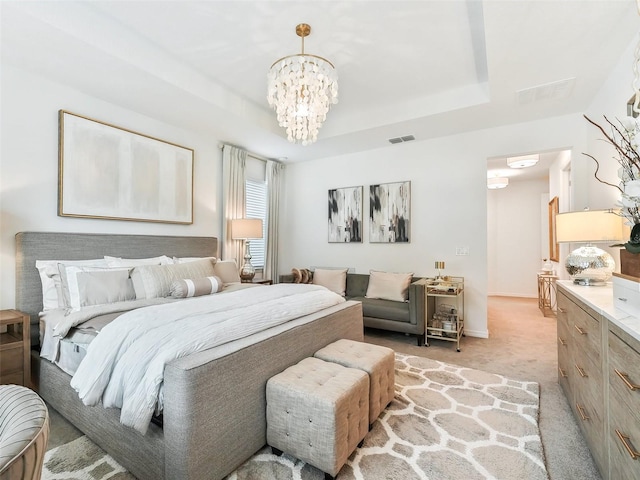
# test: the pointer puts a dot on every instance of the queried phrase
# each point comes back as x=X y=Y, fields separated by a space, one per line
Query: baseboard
x=476 y=333
x=518 y=295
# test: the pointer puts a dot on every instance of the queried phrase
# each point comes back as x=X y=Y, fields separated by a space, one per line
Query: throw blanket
x=124 y=365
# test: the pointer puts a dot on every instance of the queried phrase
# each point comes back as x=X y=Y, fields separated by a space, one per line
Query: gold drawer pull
x=583 y=415
x=562 y=342
x=562 y=374
x=581 y=372
x=625 y=379
x=624 y=439
x=562 y=310
x=582 y=332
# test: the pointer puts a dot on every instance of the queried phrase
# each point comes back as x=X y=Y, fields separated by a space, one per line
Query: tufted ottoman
x=377 y=361
x=318 y=412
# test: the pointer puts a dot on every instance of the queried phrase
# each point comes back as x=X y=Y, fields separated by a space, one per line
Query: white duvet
x=124 y=365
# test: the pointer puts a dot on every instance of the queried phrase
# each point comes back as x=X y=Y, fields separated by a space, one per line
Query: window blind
x=256 y=207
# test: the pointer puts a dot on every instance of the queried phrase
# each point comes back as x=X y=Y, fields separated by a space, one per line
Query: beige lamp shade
x=243 y=228
x=589 y=226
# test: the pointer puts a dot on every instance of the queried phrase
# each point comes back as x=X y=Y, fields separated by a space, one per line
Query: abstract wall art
x=345 y=215
x=390 y=212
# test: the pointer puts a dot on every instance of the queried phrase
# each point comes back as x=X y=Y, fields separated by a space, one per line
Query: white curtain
x=234 y=161
x=275 y=172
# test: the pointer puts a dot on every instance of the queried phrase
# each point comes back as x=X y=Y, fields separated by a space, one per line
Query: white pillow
x=154 y=281
x=227 y=270
x=388 y=286
x=191 y=259
x=136 y=262
x=85 y=286
x=52 y=282
x=334 y=280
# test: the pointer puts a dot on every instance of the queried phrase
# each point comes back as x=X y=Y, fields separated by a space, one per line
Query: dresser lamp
x=588 y=264
x=246 y=229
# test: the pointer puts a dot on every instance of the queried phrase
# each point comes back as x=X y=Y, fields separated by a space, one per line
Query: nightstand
x=15 y=346
x=262 y=281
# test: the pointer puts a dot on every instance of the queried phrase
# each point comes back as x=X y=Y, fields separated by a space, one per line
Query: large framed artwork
x=345 y=215
x=390 y=212
x=113 y=173
x=554 y=247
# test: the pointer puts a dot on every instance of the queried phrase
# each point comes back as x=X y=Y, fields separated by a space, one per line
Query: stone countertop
x=600 y=298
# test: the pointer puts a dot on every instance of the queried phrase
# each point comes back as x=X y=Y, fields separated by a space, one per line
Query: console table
x=547 y=294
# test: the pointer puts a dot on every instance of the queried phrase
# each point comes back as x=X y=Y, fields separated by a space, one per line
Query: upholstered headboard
x=32 y=246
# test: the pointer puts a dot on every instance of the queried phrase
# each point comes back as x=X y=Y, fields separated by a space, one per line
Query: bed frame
x=214 y=408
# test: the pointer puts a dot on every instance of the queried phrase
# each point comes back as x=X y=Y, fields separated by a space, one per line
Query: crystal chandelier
x=301 y=89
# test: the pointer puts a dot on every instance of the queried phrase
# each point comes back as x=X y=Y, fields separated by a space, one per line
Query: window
x=256 y=207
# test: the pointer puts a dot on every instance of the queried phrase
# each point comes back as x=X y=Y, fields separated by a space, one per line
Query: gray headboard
x=32 y=246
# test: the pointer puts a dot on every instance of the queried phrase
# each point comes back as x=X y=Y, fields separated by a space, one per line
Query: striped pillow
x=196 y=287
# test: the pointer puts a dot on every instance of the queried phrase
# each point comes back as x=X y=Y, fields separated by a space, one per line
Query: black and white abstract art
x=390 y=212
x=345 y=215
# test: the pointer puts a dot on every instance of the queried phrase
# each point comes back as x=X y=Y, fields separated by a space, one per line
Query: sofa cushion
x=387 y=309
x=388 y=286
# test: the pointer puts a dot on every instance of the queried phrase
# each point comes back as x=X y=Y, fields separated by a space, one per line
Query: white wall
x=515 y=249
x=29 y=167
x=449 y=204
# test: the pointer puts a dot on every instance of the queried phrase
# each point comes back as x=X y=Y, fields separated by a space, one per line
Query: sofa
x=396 y=316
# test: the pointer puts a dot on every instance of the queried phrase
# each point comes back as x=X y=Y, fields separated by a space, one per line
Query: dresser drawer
x=588 y=406
x=564 y=358
x=587 y=336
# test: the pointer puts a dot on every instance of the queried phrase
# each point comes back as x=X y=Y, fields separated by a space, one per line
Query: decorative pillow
x=154 y=281
x=52 y=282
x=85 y=286
x=334 y=280
x=302 y=275
x=195 y=287
x=136 y=262
x=227 y=270
x=389 y=286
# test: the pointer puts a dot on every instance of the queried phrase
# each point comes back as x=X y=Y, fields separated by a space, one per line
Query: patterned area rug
x=446 y=422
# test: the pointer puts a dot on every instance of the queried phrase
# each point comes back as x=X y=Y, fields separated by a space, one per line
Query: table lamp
x=589 y=265
x=246 y=229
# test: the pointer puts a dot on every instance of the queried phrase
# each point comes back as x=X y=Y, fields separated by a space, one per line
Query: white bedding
x=124 y=365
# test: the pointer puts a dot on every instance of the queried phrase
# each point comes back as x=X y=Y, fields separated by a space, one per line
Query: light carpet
x=444 y=422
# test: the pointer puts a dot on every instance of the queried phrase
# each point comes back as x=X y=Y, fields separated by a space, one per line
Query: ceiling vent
x=547 y=91
x=405 y=138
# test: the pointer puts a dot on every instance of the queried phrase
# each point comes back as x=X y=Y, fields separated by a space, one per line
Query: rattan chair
x=24 y=431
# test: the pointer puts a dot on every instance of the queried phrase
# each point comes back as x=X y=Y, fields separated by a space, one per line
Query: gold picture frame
x=554 y=247
x=112 y=173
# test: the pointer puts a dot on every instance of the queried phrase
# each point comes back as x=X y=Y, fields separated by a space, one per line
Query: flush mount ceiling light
x=523 y=161
x=497 y=182
x=301 y=89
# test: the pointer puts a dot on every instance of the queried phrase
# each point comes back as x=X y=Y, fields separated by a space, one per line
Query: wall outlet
x=462 y=250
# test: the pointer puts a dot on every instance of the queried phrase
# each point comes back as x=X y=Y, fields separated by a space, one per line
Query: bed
x=214 y=407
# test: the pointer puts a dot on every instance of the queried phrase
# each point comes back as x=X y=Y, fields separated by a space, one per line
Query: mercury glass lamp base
x=247 y=272
x=590 y=265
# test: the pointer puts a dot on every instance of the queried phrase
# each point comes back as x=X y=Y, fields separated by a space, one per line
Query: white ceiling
x=422 y=67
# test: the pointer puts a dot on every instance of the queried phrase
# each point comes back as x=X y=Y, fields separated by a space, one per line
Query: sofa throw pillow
x=227 y=270
x=389 y=286
x=302 y=275
x=334 y=280
x=188 y=287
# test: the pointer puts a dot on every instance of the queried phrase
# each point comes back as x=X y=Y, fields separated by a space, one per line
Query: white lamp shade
x=243 y=228
x=589 y=226
x=494 y=183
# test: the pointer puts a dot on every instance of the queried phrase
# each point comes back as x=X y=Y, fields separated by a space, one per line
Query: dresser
x=599 y=372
